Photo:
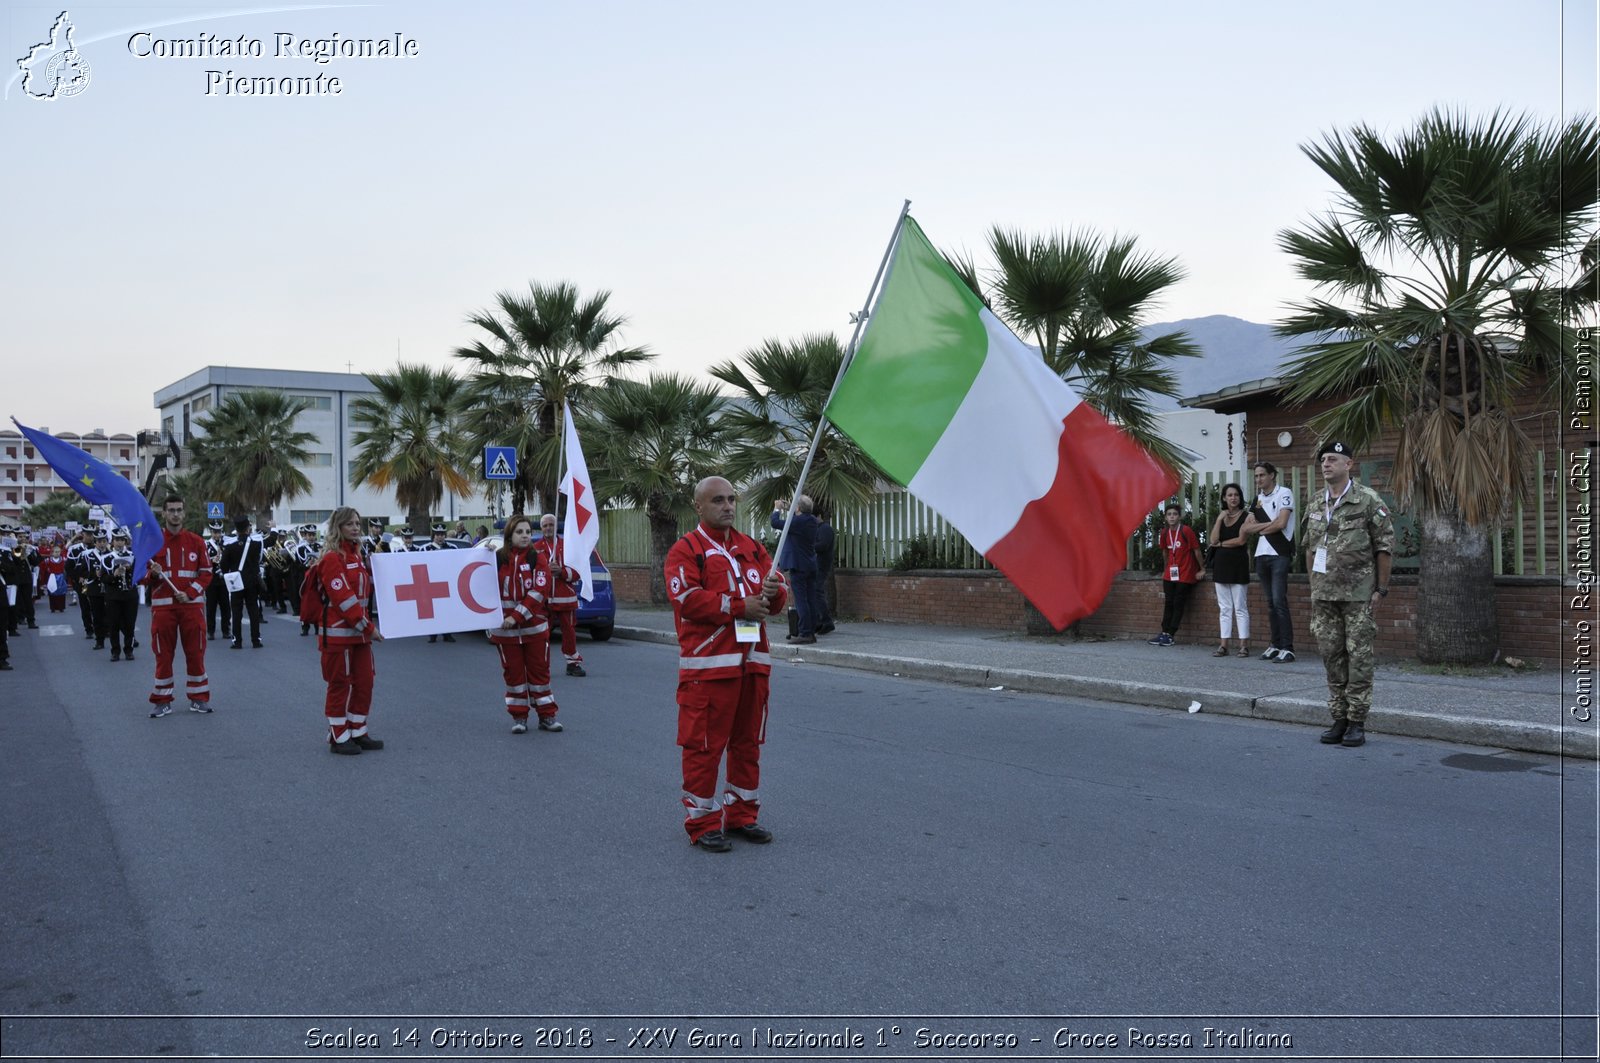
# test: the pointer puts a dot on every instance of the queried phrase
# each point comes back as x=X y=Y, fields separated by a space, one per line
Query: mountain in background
x=1233 y=351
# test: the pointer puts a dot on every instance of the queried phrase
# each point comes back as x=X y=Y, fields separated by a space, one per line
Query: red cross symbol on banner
x=421 y=590
x=584 y=515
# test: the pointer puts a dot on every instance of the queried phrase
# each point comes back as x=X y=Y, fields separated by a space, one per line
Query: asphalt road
x=943 y=855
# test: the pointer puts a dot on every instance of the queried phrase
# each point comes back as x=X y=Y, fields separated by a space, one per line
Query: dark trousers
x=97 y=619
x=85 y=612
x=23 y=613
x=1274 y=573
x=5 y=625
x=803 y=587
x=1177 y=600
x=122 y=616
x=217 y=602
x=246 y=600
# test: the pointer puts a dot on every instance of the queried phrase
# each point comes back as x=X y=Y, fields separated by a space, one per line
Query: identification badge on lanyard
x=1319 y=563
x=1172 y=573
x=747 y=630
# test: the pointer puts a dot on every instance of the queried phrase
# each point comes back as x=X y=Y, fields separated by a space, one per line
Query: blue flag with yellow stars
x=101 y=485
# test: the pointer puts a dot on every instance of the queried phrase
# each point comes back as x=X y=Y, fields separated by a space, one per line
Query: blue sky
x=730 y=172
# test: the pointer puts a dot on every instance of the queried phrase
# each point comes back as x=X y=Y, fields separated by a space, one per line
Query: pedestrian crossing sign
x=215 y=511
x=499 y=463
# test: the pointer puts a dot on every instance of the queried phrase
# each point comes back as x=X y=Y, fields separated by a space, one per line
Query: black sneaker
x=752 y=832
x=115 y=656
x=713 y=841
x=449 y=638
x=347 y=748
x=368 y=742
x=574 y=668
x=1285 y=657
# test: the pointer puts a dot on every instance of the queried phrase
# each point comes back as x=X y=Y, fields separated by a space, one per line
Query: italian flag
x=970 y=420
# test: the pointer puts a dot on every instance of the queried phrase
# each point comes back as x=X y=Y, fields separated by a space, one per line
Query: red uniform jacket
x=524 y=586
x=563 y=596
x=1177 y=548
x=187 y=566
x=347 y=582
x=708 y=578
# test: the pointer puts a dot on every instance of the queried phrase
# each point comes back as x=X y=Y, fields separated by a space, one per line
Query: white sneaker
x=519 y=727
x=549 y=723
x=1270 y=653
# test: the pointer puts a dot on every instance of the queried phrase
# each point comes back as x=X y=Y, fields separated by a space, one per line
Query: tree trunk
x=663 y=533
x=420 y=522
x=1456 y=621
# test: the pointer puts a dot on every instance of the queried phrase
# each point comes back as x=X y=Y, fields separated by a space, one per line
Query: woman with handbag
x=1230 y=572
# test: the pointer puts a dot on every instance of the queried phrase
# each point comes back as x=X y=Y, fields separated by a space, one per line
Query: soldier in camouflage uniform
x=1349 y=540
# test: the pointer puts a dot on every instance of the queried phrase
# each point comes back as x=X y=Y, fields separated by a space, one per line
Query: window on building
x=319 y=460
x=11 y=497
x=127 y=455
x=315 y=402
x=27 y=452
x=11 y=452
x=309 y=516
x=200 y=402
x=11 y=474
x=168 y=426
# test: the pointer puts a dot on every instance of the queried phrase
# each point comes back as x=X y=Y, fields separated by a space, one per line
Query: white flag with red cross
x=430 y=592
x=581 y=529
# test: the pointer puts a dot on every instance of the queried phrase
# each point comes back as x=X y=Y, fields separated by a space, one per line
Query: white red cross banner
x=430 y=592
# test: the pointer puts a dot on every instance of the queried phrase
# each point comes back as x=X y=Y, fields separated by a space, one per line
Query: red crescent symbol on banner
x=464 y=585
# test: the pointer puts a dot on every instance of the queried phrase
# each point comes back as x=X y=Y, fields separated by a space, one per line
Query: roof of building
x=247 y=377
x=1235 y=397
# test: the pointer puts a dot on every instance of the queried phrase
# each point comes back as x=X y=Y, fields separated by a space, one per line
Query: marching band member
x=177 y=578
x=347 y=636
x=437 y=543
x=523 y=637
x=217 y=591
x=121 y=594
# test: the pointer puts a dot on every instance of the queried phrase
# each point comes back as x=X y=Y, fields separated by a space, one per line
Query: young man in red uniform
x=722 y=585
x=564 y=597
x=177 y=578
x=347 y=636
x=523 y=637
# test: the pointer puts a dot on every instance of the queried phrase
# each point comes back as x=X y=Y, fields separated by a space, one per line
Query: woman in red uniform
x=523 y=637
x=348 y=635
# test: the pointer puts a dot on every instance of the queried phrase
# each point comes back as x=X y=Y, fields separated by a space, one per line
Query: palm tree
x=1441 y=258
x=649 y=442
x=407 y=439
x=780 y=390
x=543 y=348
x=1082 y=299
x=250 y=454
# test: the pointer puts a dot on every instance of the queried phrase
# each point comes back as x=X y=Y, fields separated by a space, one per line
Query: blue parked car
x=599 y=616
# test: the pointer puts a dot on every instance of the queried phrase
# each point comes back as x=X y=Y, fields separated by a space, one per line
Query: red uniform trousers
x=526 y=666
x=717 y=716
x=348 y=670
x=168 y=625
x=568 y=619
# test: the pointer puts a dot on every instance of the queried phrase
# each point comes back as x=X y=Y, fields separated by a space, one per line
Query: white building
x=27 y=479
x=330 y=396
x=1215 y=441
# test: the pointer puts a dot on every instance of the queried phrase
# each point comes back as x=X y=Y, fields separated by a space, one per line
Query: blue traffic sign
x=499 y=463
x=215 y=511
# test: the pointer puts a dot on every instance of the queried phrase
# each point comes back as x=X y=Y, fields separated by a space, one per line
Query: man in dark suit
x=242 y=553
x=798 y=561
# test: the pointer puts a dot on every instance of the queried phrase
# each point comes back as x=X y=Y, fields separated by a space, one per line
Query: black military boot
x=1355 y=734
x=1333 y=735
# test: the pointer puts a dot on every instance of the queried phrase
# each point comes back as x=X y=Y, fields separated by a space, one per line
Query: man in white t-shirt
x=1272 y=520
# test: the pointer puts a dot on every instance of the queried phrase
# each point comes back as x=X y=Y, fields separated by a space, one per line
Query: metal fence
x=897 y=530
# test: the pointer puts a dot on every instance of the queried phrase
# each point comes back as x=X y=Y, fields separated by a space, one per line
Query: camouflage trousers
x=1345 y=633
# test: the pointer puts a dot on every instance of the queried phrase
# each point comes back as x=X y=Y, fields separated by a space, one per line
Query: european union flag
x=100 y=484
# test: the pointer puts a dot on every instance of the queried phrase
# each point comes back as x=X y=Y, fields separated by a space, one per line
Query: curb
x=1501 y=734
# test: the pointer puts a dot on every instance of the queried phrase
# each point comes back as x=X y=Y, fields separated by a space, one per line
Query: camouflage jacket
x=1359 y=530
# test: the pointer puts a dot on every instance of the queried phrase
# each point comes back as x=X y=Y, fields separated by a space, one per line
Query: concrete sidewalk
x=1525 y=710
